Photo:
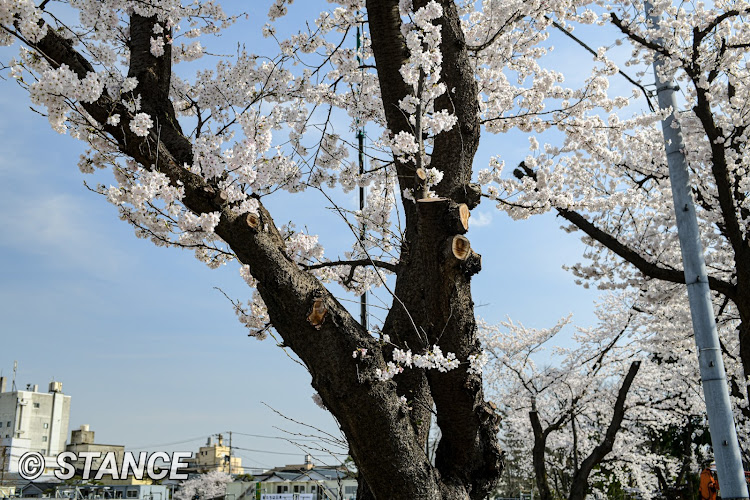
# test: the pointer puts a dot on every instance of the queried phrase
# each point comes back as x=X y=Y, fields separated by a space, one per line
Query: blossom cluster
x=58 y=88
x=430 y=359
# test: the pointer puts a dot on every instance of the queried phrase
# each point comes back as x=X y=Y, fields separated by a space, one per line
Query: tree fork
x=386 y=447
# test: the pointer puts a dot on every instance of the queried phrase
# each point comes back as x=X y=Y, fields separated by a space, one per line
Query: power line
x=261 y=436
x=245 y=457
x=270 y=452
x=273 y=437
x=200 y=438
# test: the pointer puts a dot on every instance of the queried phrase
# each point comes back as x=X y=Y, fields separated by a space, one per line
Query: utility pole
x=361 y=157
x=713 y=377
x=2 y=465
x=230 y=452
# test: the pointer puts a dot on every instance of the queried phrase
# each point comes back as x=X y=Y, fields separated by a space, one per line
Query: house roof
x=15 y=479
x=272 y=476
x=40 y=486
x=314 y=474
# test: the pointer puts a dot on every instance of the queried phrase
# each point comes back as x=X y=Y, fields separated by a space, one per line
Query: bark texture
x=433 y=305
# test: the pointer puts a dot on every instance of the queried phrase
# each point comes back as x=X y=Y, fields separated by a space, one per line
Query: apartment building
x=32 y=421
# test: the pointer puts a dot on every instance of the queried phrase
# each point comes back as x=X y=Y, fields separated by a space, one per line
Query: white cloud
x=63 y=231
x=480 y=219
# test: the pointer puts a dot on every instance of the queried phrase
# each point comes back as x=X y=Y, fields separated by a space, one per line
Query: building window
x=46 y=425
x=36 y=405
x=44 y=439
x=132 y=493
x=350 y=490
x=118 y=494
x=7 y=424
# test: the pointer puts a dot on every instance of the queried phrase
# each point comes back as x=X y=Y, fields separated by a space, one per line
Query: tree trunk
x=538 y=456
x=743 y=332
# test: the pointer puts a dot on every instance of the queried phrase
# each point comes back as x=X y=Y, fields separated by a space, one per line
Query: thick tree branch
x=538 y=450
x=701 y=34
x=453 y=151
x=639 y=39
x=720 y=171
x=649 y=269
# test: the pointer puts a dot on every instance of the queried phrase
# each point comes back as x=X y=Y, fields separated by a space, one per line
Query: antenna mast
x=361 y=157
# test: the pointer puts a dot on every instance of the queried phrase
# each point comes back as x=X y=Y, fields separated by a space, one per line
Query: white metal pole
x=713 y=377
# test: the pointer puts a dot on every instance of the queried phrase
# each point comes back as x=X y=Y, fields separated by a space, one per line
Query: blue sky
x=150 y=352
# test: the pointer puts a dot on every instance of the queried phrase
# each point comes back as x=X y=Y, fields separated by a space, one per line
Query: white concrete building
x=32 y=421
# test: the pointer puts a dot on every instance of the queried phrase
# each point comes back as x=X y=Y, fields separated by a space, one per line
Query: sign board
x=287 y=496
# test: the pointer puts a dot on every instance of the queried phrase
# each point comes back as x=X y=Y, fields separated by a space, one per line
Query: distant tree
x=595 y=415
x=204 y=487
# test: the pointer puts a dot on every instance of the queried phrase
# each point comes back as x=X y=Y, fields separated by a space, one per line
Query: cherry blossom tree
x=570 y=414
x=195 y=158
x=609 y=177
x=616 y=406
x=204 y=487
